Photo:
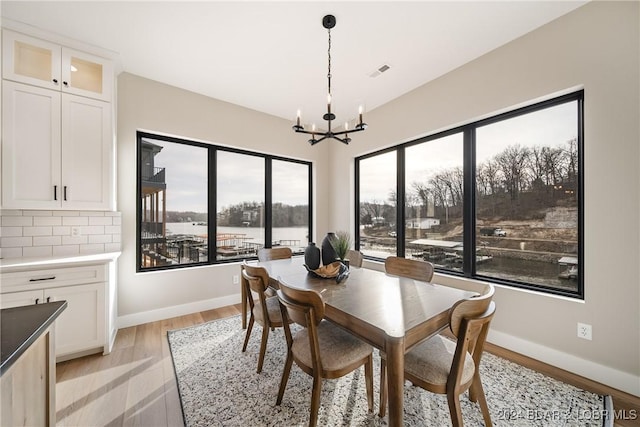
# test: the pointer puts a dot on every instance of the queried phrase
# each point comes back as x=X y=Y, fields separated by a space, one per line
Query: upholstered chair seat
x=273 y=310
x=338 y=348
x=432 y=359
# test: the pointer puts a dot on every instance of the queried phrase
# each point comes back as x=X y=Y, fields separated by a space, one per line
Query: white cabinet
x=41 y=63
x=82 y=325
x=86 y=326
x=56 y=150
x=31 y=147
x=57 y=127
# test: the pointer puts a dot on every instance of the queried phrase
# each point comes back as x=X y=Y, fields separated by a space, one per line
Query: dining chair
x=355 y=258
x=266 y=310
x=441 y=365
x=320 y=348
x=268 y=254
x=411 y=268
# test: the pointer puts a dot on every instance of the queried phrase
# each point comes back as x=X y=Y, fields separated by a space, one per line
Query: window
x=188 y=191
x=499 y=199
x=377 y=207
x=434 y=201
x=527 y=198
x=290 y=204
x=240 y=196
x=173 y=186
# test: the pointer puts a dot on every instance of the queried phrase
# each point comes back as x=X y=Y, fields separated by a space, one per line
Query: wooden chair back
x=268 y=254
x=470 y=308
x=355 y=258
x=256 y=277
x=411 y=268
x=303 y=306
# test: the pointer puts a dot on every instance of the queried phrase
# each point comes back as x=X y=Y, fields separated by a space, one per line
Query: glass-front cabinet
x=41 y=63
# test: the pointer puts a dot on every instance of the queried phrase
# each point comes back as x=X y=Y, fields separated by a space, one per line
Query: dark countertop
x=21 y=326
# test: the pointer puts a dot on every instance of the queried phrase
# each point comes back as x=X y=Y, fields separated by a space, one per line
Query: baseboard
x=611 y=377
x=175 y=311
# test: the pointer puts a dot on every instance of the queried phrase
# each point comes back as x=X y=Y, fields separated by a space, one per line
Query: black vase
x=328 y=253
x=312 y=256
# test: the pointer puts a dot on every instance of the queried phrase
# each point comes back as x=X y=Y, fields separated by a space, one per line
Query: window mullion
x=213 y=204
x=400 y=202
x=469 y=201
x=268 y=202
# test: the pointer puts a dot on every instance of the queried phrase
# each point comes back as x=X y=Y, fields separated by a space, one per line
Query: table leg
x=243 y=299
x=395 y=379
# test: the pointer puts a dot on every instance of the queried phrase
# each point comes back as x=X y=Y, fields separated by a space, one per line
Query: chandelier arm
x=345 y=141
x=321 y=139
x=345 y=132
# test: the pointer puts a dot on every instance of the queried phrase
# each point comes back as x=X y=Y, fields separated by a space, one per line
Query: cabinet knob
x=65 y=83
x=55 y=81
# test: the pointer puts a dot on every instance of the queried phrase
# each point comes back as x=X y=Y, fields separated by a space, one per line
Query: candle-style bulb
x=298 y=118
x=346 y=125
x=313 y=127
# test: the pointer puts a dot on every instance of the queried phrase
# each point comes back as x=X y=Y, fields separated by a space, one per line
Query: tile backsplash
x=31 y=233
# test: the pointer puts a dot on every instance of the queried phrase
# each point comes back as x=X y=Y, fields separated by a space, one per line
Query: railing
x=152 y=228
x=150 y=174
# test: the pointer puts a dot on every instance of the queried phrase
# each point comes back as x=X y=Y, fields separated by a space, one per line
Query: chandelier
x=328 y=22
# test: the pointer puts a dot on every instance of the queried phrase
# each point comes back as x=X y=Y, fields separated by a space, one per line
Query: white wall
x=148 y=105
x=595 y=47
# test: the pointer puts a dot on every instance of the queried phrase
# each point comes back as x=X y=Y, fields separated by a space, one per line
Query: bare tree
x=571 y=160
x=422 y=193
x=512 y=162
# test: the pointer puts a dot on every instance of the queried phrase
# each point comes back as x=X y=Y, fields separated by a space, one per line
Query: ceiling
x=272 y=56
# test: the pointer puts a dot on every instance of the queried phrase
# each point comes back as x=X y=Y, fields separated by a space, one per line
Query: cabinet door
x=31 y=150
x=87 y=154
x=19 y=299
x=30 y=60
x=86 y=75
x=82 y=325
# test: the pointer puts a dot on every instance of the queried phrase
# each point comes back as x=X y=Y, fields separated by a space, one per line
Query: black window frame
x=469 y=198
x=212 y=150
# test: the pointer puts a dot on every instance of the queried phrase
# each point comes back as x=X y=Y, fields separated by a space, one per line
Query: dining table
x=391 y=313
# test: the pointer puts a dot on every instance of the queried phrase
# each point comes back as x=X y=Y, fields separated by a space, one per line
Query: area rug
x=219 y=386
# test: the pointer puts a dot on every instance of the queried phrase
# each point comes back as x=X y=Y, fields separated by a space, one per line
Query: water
x=254 y=235
x=521 y=270
x=528 y=271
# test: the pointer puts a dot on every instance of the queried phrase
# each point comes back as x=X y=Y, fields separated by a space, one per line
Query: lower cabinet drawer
x=44 y=278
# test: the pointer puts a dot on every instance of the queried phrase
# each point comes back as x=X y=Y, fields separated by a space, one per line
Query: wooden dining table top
x=373 y=304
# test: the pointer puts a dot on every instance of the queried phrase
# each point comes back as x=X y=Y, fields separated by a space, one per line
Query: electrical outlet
x=75 y=231
x=236 y=279
x=584 y=331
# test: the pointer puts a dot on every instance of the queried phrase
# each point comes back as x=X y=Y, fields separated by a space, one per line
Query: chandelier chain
x=329 y=61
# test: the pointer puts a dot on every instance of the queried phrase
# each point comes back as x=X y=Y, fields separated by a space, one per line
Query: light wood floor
x=135 y=384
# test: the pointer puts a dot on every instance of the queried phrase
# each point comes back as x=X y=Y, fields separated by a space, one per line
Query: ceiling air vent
x=381 y=69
